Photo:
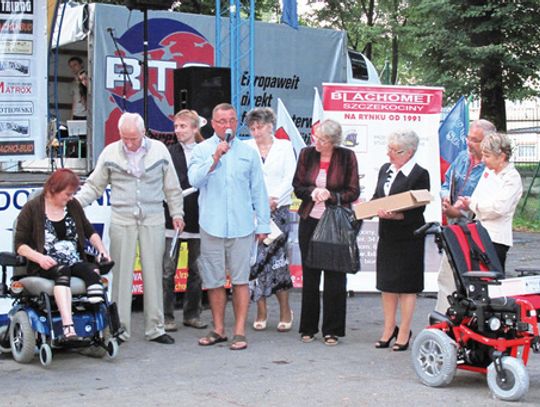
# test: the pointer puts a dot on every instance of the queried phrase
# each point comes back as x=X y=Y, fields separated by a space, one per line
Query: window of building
x=526 y=152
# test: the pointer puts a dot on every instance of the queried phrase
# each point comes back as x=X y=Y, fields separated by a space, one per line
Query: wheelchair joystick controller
x=104 y=264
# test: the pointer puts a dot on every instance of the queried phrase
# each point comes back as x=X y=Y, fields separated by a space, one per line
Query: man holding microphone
x=233 y=205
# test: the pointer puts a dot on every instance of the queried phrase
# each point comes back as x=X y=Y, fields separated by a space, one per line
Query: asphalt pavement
x=277 y=369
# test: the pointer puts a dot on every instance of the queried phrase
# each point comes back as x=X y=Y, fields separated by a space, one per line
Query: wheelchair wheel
x=112 y=348
x=45 y=354
x=5 y=347
x=434 y=356
x=516 y=384
x=22 y=338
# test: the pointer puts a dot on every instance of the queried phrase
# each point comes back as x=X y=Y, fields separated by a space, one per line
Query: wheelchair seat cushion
x=34 y=285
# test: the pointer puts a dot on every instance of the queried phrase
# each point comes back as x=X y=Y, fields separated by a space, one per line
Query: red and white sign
x=368 y=115
x=382 y=99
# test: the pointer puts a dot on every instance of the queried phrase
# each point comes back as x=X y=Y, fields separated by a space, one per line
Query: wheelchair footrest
x=67 y=343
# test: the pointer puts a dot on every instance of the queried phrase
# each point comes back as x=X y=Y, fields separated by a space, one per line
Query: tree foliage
x=373 y=27
x=359 y=18
x=487 y=48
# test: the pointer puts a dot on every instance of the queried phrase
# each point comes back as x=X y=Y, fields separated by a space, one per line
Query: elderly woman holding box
x=400 y=254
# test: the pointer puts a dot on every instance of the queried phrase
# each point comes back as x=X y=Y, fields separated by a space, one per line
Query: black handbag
x=333 y=244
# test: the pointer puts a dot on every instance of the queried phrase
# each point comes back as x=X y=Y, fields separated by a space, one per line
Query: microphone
x=110 y=30
x=228 y=135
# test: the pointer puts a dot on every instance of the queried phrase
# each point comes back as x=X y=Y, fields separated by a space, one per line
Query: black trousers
x=334 y=295
x=501 y=250
x=83 y=270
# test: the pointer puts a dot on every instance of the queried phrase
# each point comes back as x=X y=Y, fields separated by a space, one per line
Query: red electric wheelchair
x=479 y=332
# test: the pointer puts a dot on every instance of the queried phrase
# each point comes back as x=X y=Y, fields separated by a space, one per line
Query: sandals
x=400 y=347
x=331 y=340
x=281 y=327
x=239 y=342
x=307 y=338
x=212 y=338
x=260 y=325
x=380 y=344
x=69 y=333
x=285 y=326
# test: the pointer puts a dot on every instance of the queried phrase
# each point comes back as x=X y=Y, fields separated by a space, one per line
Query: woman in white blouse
x=498 y=192
x=270 y=274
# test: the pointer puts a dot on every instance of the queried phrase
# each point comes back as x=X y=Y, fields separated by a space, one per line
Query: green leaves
x=482 y=44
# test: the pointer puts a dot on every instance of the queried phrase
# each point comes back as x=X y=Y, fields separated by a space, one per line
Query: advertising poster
x=368 y=114
x=23 y=79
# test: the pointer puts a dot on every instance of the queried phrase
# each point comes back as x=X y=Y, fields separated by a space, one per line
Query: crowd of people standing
x=229 y=200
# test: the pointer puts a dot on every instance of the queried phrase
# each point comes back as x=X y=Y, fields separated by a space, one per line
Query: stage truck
x=289 y=63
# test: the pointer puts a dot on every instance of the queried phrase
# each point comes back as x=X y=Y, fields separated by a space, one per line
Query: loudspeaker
x=201 y=89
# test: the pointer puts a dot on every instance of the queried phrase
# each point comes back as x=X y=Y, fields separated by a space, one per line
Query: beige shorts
x=222 y=256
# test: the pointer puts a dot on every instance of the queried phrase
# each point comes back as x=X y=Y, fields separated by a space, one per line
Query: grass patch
x=528 y=220
x=525 y=225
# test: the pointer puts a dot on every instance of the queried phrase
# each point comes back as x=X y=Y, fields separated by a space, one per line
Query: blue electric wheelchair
x=33 y=323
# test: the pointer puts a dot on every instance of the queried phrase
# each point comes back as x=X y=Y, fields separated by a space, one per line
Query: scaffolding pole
x=235 y=49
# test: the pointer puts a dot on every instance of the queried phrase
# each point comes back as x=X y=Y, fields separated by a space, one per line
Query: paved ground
x=525 y=252
x=276 y=370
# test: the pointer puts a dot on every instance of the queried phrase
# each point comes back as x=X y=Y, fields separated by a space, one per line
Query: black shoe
x=165 y=339
x=399 y=347
x=385 y=344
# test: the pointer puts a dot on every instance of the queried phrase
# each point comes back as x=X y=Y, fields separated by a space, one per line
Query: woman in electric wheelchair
x=50 y=233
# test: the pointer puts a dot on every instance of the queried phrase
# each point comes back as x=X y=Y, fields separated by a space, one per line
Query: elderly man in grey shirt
x=141 y=175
